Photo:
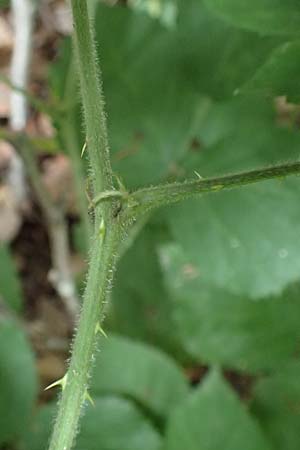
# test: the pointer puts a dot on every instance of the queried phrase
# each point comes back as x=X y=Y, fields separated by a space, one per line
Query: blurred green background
x=203 y=325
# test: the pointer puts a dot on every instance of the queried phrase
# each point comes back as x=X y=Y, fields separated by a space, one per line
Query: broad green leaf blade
x=215 y=57
x=153 y=104
x=10 y=288
x=264 y=16
x=39 y=431
x=217 y=327
x=276 y=405
x=245 y=240
x=143 y=101
x=116 y=424
x=112 y=424
x=214 y=418
x=145 y=374
x=141 y=306
x=60 y=76
x=157 y=82
x=278 y=75
x=18 y=381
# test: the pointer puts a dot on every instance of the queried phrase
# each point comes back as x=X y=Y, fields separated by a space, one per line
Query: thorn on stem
x=88 y=397
x=83 y=149
x=198 y=175
x=61 y=382
x=120 y=183
x=100 y=330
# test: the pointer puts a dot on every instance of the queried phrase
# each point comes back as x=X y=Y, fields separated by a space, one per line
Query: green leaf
x=214 y=418
x=116 y=424
x=278 y=76
x=264 y=16
x=276 y=405
x=151 y=115
x=145 y=374
x=217 y=327
x=59 y=74
x=143 y=101
x=245 y=240
x=38 y=433
x=18 y=381
x=157 y=82
x=10 y=288
x=111 y=424
x=138 y=311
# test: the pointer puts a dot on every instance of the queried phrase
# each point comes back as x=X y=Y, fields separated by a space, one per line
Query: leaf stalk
x=149 y=198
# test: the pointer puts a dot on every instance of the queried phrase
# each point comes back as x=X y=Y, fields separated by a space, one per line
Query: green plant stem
x=105 y=243
x=92 y=99
x=97 y=289
x=146 y=199
x=111 y=216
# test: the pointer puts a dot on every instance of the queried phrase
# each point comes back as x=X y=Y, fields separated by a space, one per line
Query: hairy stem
x=146 y=199
x=99 y=280
x=106 y=240
x=112 y=211
x=92 y=99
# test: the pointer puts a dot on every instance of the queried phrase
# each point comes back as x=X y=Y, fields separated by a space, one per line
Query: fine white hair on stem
x=23 y=18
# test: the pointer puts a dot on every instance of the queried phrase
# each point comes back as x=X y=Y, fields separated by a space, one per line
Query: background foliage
x=211 y=284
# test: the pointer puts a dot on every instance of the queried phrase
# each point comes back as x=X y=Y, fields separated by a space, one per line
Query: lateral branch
x=149 y=198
